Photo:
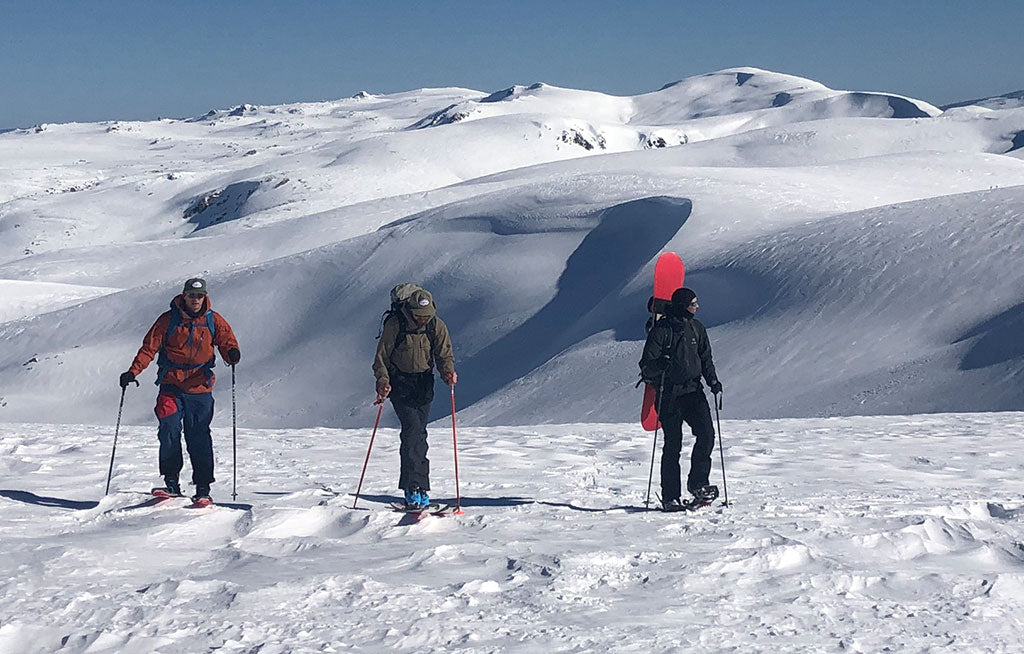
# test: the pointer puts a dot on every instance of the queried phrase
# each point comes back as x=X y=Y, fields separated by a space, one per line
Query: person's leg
x=415 y=467
x=697 y=414
x=198 y=414
x=168 y=413
x=671 y=423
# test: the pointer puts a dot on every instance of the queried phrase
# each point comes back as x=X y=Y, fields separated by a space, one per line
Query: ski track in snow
x=846 y=534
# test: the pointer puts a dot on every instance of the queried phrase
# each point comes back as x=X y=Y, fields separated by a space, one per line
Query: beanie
x=682 y=297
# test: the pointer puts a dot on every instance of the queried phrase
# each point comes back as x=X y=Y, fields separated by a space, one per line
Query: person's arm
x=224 y=339
x=653 y=361
x=444 y=356
x=382 y=356
x=707 y=363
x=151 y=344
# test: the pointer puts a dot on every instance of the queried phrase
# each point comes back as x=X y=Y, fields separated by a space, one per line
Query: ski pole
x=718 y=405
x=367 y=461
x=455 y=449
x=234 y=439
x=654 y=446
x=117 y=428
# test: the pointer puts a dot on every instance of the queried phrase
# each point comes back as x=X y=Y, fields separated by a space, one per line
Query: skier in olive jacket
x=678 y=348
x=412 y=341
x=182 y=342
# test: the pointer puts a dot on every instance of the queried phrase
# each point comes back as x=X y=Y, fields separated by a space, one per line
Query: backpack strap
x=164 y=362
x=383 y=319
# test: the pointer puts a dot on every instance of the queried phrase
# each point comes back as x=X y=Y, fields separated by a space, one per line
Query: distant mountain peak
x=1011 y=100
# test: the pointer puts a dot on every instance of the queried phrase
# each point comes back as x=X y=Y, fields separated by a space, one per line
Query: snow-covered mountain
x=855 y=253
x=1012 y=100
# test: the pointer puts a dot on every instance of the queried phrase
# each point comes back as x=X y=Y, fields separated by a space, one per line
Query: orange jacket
x=182 y=350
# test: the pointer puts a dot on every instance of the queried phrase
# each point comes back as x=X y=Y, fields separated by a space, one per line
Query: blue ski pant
x=693 y=409
x=194 y=412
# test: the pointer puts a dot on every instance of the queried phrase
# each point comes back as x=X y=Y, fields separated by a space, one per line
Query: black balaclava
x=681 y=299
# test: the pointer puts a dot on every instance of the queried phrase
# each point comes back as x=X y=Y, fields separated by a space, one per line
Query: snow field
x=848 y=264
x=853 y=533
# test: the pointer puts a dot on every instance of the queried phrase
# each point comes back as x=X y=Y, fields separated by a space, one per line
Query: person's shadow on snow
x=41 y=500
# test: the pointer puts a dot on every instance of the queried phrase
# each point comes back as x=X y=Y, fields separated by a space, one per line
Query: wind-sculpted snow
x=858 y=534
x=222 y=205
x=636 y=231
x=535 y=221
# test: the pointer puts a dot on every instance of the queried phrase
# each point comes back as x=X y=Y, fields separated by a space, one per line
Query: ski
x=689 y=506
x=695 y=504
x=164 y=494
x=669 y=273
x=430 y=509
x=200 y=503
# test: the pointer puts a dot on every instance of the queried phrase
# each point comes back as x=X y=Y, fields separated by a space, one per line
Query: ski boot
x=202 y=497
x=171 y=488
x=424 y=498
x=703 y=496
x=413 y=499
x=671 y=506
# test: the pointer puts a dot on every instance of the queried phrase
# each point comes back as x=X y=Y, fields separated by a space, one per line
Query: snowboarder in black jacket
x=676 y=355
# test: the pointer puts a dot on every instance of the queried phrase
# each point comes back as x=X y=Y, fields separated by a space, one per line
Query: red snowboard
x=669 y=273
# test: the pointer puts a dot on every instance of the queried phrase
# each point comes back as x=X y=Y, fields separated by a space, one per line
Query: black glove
x=127 y=378
x=234 y=356
x=716 y=387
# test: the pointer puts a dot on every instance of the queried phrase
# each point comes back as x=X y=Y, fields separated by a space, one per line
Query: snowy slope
x=538 y=245
x=845 y=534
x=1011 y=100
x=854 y=254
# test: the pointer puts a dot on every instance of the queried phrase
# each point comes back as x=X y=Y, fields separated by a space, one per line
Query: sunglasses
x=195 y=296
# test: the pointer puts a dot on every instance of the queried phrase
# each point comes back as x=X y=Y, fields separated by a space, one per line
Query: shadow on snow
x=589 y=297
x=41 y=500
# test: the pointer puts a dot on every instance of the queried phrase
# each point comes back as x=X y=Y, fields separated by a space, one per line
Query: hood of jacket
x=179 y=303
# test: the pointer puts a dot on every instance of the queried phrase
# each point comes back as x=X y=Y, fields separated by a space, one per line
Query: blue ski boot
x=412 y=498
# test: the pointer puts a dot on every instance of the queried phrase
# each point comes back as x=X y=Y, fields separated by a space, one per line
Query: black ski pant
x=415 y=470
x=693 y=409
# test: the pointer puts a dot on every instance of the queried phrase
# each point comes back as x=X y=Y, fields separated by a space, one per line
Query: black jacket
x=679 y=346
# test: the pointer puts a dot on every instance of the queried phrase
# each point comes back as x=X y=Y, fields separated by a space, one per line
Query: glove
x=451 y=378
x=716 y=387
x=234 y=356
x=127 y=378
x=383 y=390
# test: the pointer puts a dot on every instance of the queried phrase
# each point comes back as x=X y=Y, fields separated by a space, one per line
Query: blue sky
x=106 y=60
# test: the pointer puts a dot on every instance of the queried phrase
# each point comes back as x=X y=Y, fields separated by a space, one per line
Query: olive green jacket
x=412 y=353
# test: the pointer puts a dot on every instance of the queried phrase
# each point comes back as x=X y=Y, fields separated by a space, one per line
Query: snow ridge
x=535 y=220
